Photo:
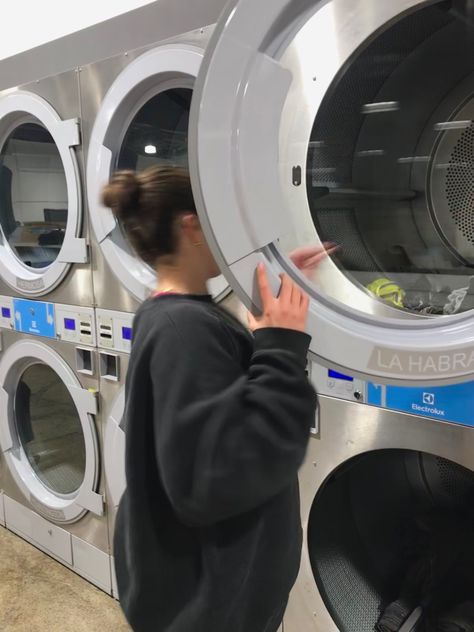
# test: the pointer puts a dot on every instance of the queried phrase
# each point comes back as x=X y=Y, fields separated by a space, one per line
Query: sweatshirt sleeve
x=228 y=440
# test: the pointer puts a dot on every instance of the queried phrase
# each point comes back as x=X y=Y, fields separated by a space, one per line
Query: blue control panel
x=34 y=317
x=454 y=403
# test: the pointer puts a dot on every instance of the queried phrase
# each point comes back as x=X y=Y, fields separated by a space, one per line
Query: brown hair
x=147 y=204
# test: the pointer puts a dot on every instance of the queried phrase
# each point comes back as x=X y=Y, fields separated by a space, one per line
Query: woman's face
x=211 y=264
x=199 y=254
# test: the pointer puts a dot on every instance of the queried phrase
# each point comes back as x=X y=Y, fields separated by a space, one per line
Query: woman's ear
x=190 y=225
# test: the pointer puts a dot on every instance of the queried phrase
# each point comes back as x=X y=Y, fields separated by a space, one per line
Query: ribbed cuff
x=296 y=342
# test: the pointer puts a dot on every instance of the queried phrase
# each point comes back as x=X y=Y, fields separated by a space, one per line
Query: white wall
x=38 y=179
x=30 y=23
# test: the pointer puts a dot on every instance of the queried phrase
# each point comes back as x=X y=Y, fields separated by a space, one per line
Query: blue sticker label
x=6 y=312
x=454 y=403
x=374 y=394
x=127 y=333
x=34 y=317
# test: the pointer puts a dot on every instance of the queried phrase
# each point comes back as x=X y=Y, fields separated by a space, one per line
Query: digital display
x=127 y=333
x=6 y=312
x=70 y=324
x=339 y=376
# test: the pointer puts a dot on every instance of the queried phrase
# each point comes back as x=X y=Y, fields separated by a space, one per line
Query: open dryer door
x=349 y=122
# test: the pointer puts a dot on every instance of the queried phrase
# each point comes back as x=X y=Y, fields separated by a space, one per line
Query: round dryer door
x=349 y=122
x=48 y=433
x=40 y=195
x=143 y=121
x=114 y=450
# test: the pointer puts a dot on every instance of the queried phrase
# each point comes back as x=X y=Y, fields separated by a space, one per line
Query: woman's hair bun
x=122 y=194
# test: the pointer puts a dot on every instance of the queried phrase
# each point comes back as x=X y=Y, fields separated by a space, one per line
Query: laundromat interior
x=302 y=123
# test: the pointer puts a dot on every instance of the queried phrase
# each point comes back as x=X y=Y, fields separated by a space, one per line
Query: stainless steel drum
x=362 y=523
x=390 y=171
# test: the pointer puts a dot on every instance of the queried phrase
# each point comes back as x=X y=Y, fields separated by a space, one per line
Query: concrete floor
x=37 y=594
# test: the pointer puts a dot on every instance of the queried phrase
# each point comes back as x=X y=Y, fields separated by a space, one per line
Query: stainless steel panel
x=154 y=22
x=109 y=391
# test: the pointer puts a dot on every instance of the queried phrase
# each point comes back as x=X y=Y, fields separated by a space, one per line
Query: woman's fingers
x=264 y=286
x=309 y=257
x=285 y=289
x=288 y=311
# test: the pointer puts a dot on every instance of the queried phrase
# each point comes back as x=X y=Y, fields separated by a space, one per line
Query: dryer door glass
x=390 y=167
x=33 y=195
x=158 y=134
x=49 y=429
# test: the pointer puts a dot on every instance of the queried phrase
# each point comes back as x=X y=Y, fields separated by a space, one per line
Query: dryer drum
x=370 y=522
x=390 y=171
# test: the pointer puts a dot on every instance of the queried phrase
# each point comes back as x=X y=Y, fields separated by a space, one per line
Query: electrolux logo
x=428 y=407
x=429 y=398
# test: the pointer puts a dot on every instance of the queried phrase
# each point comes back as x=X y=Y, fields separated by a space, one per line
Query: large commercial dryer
x=135 y=108
x=44 y=233
x=51 y=434
x=352 y=123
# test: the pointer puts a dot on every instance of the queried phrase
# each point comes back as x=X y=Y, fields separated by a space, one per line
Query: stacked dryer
x=50 y=429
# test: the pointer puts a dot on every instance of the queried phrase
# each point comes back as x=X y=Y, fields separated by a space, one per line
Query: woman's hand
x=287 y=311
x=308 y=258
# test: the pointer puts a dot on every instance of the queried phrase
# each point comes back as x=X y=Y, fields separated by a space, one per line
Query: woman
x=208 y=533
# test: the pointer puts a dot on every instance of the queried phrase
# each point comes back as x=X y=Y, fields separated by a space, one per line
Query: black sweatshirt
x=208 y=532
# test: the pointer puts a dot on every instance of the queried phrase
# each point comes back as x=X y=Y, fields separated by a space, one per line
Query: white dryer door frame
x=166 y=67
x=114 y=449
x=57 y=507
x=14 y=107
x=236 y=156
